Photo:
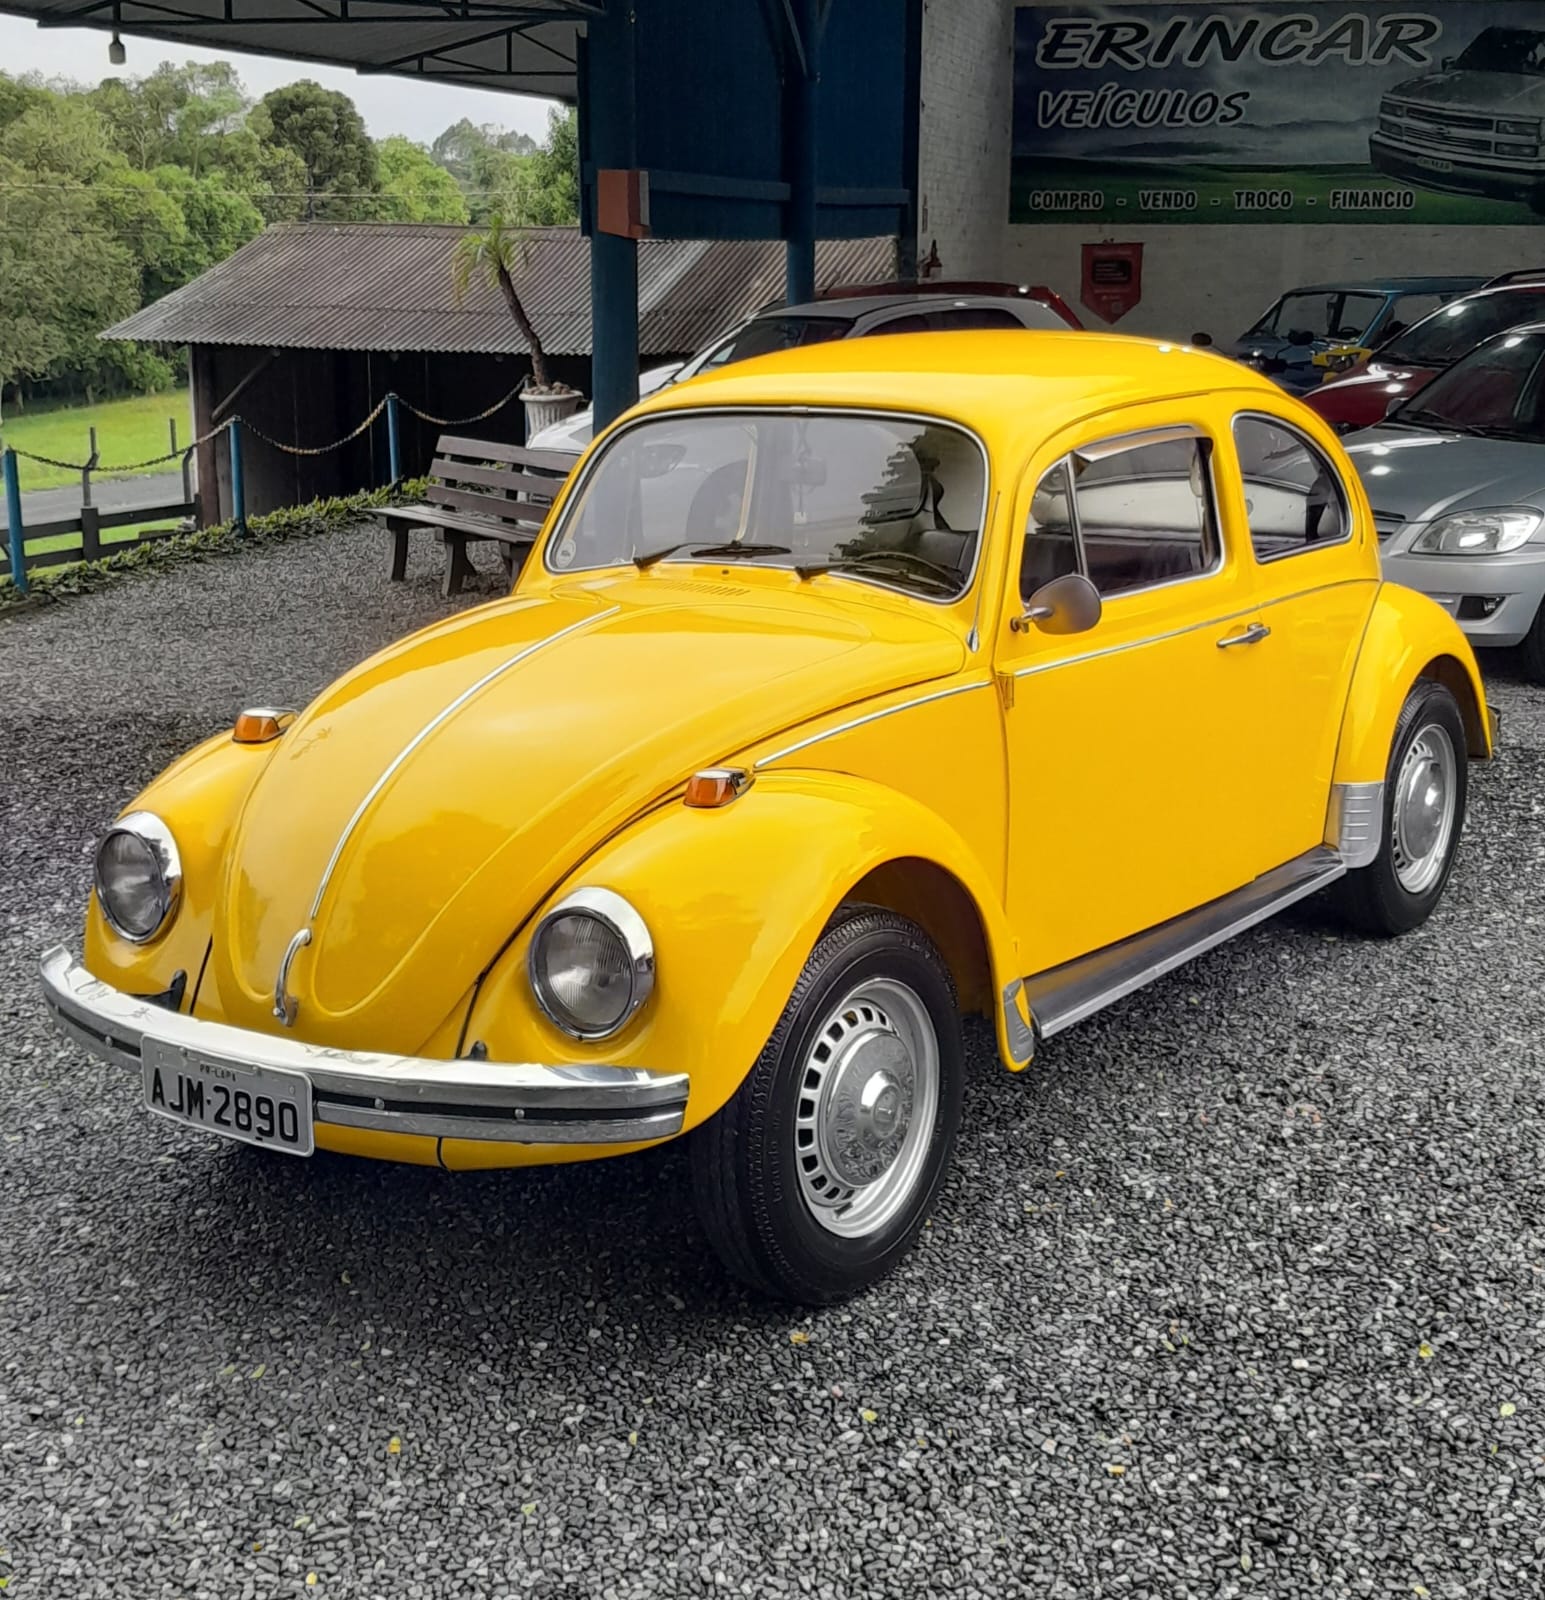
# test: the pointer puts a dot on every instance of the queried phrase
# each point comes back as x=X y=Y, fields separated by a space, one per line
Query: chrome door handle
x=1251 y=635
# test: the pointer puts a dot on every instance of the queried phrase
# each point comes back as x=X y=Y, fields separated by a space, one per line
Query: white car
x=785 y=327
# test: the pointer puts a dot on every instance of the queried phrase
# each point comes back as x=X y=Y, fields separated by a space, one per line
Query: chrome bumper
x=463 y=1099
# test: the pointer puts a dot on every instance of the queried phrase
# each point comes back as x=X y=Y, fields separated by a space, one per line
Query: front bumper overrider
x=519 y=1103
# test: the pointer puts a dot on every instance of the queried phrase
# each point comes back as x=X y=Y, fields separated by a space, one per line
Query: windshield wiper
x=1478 y=430
x=867 y=560
x=724 y=552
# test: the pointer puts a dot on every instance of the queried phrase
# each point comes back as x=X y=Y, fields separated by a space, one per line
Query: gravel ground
x=1240 y=1291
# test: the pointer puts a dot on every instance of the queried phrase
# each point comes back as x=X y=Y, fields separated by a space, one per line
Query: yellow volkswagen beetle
x=845 y=690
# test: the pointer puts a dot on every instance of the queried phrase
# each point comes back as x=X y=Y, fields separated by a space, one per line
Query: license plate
x=256 y=1105
x=1435 y=163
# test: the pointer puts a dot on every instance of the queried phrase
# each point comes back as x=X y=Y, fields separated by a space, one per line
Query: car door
x=1314 y=585
x=1129 y=746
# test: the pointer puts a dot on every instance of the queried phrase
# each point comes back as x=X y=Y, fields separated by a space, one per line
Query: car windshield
x=1443 y=337
x=1496 y=391
x=891 y=500
x=1520 y=50
x=1335 y=314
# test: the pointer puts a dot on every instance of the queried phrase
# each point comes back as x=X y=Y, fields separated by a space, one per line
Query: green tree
x=327 y=133
x=460 y=146
x=413 y=187
x=218 y=221
x=493 y=255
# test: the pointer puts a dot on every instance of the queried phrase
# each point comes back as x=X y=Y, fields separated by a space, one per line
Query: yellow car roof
x=995 y=381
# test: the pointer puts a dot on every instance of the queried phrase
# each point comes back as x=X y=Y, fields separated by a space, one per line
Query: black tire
x=749 y=1176
x=1373 y=898
x=1532 y=651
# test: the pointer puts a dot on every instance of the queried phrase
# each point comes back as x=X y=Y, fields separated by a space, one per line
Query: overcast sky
x=388 y=105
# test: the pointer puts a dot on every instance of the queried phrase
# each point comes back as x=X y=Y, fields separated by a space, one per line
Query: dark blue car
x=1311 y=321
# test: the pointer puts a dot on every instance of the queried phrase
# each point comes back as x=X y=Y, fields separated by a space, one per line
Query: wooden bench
x=479 y=491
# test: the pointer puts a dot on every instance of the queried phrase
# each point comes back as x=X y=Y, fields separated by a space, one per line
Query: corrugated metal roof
x=521 y=46
x=388 y=286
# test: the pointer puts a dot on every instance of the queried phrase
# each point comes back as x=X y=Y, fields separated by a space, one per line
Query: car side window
x=1144 y=511
x=1294 y=498
x=1051 y=541
x=960 y=319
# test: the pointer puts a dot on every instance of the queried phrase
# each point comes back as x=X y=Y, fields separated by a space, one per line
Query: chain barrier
x=133 y=466
x=461 y=422
x=306 y=450
x=97 y=468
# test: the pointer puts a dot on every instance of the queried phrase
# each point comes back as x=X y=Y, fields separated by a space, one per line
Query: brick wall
x=1216 y=278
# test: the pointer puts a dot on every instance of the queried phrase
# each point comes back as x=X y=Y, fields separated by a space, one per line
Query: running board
x=1077 y=989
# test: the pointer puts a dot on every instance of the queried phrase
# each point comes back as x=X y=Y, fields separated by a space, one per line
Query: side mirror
x=1069 y=604
x=1394 y=405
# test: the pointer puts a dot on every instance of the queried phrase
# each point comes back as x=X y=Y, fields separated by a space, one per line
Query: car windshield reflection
x=895 y=501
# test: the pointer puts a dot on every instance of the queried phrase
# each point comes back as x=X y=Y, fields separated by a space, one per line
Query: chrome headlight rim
x=152 y=832
x=614 y=913
x=1429 y=542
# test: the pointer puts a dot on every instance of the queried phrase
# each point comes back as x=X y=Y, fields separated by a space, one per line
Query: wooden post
x=85 y=475
x=90 y=533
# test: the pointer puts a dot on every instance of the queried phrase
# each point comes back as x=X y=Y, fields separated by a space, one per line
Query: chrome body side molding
x=1354 y=822
x=1077 y=989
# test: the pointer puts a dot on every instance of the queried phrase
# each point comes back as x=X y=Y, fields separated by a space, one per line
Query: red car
x=1360 y=398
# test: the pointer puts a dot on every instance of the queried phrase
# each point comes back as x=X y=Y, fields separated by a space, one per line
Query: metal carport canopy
x=519 y=46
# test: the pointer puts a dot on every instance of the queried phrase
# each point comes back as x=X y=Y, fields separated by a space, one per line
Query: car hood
x=424 y=806
x=1494 y=93
x=1414 y=476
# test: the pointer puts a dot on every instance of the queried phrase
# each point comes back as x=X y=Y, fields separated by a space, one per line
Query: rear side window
x=961 y=318
x=1294 y=499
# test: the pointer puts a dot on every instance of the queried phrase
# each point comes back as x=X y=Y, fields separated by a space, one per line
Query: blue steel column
x=608 y=140
x=393 y=440
x=18 y=534
x=800 y=141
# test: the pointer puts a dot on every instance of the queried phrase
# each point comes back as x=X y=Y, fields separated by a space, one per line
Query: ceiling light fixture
x=116 y=54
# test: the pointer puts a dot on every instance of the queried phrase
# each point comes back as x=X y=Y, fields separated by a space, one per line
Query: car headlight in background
x=138 y=876
x=1518 y=129
x=591 y=963
x=1478 y=533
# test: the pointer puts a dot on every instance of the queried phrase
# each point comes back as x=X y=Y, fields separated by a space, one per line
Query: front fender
x=1408 y=637
x=198 y=797
x=735 y=899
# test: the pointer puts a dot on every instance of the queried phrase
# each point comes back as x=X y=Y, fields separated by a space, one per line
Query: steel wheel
x=868 y=1095
x=1425 y=803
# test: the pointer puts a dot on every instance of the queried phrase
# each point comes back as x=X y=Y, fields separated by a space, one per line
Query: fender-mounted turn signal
x=716 y=786
x=260 y=724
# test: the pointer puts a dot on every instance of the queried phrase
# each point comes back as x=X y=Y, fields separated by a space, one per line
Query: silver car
x=1456 y=477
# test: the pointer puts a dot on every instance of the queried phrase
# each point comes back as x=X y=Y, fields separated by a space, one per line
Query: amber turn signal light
x=261 y=724
x=716 y=786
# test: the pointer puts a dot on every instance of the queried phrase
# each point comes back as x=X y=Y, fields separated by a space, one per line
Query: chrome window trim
x=151 y=831
x=1116 y=444
x=608 y=907
x=1175 y=633
x=870 y=716
x=1348 y=522
x=576 y=487
x=442 y=716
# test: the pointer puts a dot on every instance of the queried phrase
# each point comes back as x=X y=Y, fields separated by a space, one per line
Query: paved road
x=121 y=494
x=1240 y=1291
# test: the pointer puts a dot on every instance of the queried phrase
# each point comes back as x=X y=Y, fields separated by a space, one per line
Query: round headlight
x=138 y=876
x=591 y=963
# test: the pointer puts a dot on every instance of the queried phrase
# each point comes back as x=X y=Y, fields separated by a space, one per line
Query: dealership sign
x=1279 y=113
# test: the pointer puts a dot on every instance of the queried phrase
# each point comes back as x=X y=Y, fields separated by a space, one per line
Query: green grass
x=127 y=431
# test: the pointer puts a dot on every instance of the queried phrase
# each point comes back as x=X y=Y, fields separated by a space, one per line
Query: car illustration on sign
x=1472 y=127
x=847 y=689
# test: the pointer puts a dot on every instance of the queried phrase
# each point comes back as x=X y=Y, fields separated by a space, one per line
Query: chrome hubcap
x=1422 y=820
x=868 y=1096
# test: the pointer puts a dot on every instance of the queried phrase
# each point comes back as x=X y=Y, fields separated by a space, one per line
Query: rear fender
x=1408 y=637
